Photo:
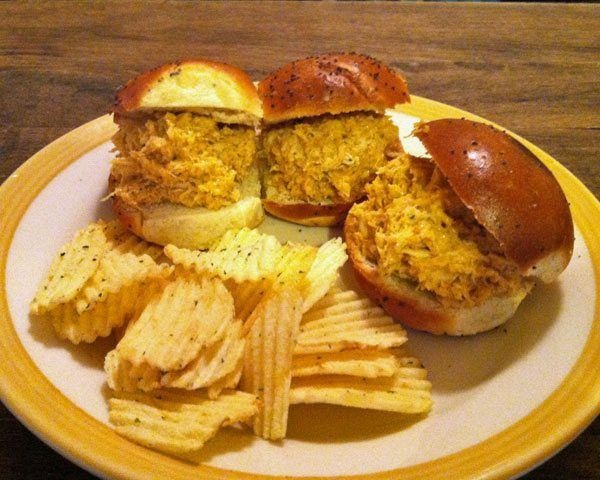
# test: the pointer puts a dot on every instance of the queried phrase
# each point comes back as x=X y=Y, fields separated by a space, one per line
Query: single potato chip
x=189 y=315
x=122 y=240
x=400 y=400
x=406 y=377
x=323 y=272
x=212 y=364
x=115 y=271
x=243 y=255
x=346 y=320
x=406 y=391
x=116 y=309
x=229 y=381
x=177 y=423
x=74 y=264
x=122 y=376
x=358 y=363
x=268 y=359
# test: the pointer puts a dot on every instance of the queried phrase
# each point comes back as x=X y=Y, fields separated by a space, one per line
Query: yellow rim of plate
x=94 y=446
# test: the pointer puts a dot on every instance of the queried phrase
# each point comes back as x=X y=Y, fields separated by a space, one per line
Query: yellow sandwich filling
x=328 y=158
x=414 y=228
x=182 y=158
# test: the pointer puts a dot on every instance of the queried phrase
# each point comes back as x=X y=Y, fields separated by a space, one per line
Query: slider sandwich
x=454 y=243
x=325 y=134
x=186 y=169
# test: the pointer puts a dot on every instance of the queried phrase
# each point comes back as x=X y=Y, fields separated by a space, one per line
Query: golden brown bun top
x=195 y=85
x=511 y=193
x=332 y=83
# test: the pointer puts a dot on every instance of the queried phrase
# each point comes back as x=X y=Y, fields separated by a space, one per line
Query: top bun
x=510 y=192
x=333 y=83
x=193 y=85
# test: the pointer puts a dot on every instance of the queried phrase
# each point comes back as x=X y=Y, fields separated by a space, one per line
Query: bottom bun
x=420 y=310
x=312 y=215
x=194 y=228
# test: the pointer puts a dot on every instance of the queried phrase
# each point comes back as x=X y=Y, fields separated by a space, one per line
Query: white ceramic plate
x=486 y=388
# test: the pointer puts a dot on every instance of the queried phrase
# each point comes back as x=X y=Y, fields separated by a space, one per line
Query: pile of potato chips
x=236 y=333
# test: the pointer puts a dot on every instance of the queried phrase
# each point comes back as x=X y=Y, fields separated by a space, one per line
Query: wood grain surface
x=534 y=68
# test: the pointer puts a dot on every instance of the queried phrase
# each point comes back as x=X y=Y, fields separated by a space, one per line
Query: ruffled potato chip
x=212 y=364
x=174 y=422
x=118 y=270
x=268 y=360
x=243 y=255
x=189 y=315
x=357 y=363
x=406 y=391
x=323 y=272
x=347 y=320
x=74 y=264
x=115 y=310
x=94 y=283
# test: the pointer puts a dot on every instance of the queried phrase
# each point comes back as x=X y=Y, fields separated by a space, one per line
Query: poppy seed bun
x=510 y=192
x=308 y=214
x=332 y=83
x=201 y=86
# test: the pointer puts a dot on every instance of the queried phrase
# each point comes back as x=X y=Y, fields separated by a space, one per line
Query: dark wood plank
x=532 y=68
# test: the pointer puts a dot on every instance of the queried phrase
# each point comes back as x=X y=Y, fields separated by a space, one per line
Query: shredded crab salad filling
x=183 y=158
x=328 y=158
x=414 y=228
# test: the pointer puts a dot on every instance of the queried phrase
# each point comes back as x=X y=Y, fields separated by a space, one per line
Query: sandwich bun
x=509 y=190
x=330 y=84
x=311 y=215
x=189 y=227
x=193 y=228
x=200 y=86
x=203 y=87
x=511 y=194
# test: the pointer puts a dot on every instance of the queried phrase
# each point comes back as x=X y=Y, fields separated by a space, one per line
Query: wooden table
x=533 y=68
